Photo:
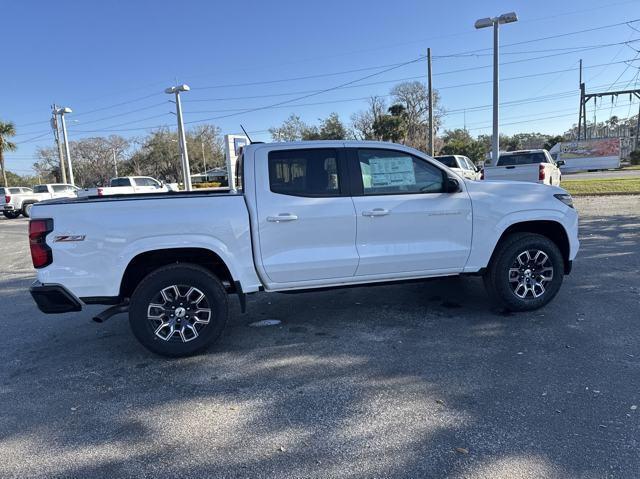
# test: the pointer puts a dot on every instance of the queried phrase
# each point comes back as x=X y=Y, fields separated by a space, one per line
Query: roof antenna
x=246 y=134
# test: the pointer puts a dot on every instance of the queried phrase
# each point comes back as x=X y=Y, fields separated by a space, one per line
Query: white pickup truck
x=304 y=215
x=127 y=185
x=461 y=165
x=534 y=166
x=6 y=193
x=21 y=203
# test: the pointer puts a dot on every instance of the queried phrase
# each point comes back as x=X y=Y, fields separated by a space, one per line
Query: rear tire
x=11 y=215
x=26 y=210
x=525 y=272
x=178 y=310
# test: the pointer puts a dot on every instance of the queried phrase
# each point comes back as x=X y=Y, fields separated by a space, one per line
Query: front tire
x=178 y=310
x=525 y=273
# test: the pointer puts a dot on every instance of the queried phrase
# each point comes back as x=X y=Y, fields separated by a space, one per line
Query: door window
x=146 y=182
x=60 y=188
x=387 y=172
x=304 y=172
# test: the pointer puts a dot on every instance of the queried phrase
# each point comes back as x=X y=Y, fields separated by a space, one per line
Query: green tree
x=292 y=129
x=331 y=128
x=460 y=142
x=392 y=126
x=551 y=141
x=7 y=130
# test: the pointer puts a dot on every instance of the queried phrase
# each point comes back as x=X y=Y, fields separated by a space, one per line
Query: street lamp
x=186 y=173
x=62 y=111
x=495 y=22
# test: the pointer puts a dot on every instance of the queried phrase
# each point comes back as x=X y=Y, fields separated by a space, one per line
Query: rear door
x=406 y=223
x=306 y=218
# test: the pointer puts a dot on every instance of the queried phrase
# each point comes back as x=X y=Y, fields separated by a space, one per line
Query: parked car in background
x=534 y=166
x=7 y=193
x=461 y=165
x=314 y=214
x=21 y=203
x=127 y=185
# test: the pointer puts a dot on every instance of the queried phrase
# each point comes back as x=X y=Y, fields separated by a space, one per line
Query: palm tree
x=7 y=130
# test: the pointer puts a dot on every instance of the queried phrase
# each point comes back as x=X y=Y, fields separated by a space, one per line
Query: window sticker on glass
x=392 y=171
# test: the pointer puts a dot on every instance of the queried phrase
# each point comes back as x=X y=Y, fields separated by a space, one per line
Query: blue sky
x=110 y=61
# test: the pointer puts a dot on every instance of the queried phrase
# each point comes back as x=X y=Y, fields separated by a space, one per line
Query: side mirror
x=560 y=163
x=452 y=185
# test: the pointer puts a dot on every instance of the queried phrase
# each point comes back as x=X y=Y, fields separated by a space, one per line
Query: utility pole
x=186 y=173
x=56 y=135
x=495 y=22
x=115 y=163
x=61 y=112
x=581 y=102
x=637 y=127
x=430 y=86
x=204 y=159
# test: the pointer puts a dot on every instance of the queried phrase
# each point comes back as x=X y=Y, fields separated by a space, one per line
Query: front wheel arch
x=552 y=230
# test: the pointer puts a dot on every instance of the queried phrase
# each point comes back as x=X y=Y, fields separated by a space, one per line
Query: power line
x=284 y=102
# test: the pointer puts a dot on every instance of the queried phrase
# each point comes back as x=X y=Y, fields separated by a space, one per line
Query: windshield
x=40 y=189
x=522 y=159
x=448 y=160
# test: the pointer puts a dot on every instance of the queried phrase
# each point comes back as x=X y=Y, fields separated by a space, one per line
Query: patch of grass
x=602 y=186
x=633 y=167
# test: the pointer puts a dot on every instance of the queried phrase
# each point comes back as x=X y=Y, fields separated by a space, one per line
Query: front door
x=307 y=222
x=406 y=222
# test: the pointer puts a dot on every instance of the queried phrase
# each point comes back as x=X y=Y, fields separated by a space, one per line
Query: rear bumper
x=8 y=207
x=54 y=298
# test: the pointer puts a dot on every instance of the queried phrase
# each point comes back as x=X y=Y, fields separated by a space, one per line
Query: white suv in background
x=461 y=165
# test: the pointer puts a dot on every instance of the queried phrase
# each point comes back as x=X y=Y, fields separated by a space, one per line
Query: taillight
x=482 y=174
x=100 y=192
x=7 y=198
x=41 y=254
x=541 y=174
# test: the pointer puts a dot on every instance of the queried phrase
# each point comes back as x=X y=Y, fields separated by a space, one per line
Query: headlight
x=565 y=198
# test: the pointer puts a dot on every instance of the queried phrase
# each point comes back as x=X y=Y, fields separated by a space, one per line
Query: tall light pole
x=495 y=22
x=61 y=112
x=56 y=134
x=186 y=173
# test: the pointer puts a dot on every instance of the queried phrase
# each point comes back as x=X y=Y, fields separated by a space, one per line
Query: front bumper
x=54 y=298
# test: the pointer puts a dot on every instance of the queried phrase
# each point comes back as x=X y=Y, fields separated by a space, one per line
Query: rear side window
x=522 y=159
x=120 y=182
x=304 y=172
x=40 y=189
x=15 y=191
x=449 y=161
x=387 y=172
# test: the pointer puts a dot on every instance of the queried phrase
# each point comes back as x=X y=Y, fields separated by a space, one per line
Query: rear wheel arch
x=547 y=228
x=145 y=263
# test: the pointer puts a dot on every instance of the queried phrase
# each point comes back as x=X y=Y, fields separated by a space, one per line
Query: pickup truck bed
x=305 y=215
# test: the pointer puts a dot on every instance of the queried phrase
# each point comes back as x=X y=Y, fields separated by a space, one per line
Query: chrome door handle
x=376 y=212
x=282 y=217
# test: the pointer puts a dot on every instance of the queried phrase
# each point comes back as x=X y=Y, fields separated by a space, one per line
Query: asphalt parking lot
x=411 y=380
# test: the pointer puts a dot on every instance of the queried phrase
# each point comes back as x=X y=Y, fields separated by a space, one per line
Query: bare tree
x=362 y=121
x=414 y=97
